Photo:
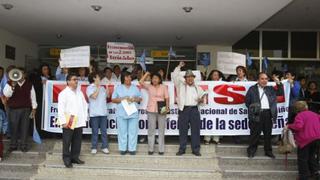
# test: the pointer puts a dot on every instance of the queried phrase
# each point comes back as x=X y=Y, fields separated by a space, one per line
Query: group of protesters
x=22 y=100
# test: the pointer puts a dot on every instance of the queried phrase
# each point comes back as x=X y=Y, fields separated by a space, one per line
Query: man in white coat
x=189 y=96
x=72 y=115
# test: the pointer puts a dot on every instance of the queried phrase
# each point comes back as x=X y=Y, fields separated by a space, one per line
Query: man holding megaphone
x=21 y=102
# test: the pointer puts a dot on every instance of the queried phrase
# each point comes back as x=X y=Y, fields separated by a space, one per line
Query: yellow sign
x=159 y=54
x=54 y=52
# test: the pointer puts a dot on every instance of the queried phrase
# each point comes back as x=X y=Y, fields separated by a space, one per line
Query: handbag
x=162 y=107
x=287 y=143
x=254 y=110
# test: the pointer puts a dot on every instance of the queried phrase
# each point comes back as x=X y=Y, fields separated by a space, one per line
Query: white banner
x=224 y=114
x=75 y=57
x=228 y=61
x=120 y=53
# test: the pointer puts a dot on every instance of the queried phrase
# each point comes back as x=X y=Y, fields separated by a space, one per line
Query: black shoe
x=150 y=152
x=132 y=152
x=24 y=149
x=123 y=152
x=196 y=153
x=250 y=155
x=180 y=153
x=12 y=149
x=270 y=154
x=68 y=165
x=161 y=153
x=77 y=161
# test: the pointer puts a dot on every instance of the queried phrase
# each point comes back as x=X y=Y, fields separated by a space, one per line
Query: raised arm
x=141 y=82
x=176 y=77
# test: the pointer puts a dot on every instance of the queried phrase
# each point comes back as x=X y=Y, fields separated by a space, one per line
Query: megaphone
x=15 y=74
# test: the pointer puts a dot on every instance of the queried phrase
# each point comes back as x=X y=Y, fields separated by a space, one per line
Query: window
x=275 y=44
x=248 y=43
x=303 y=44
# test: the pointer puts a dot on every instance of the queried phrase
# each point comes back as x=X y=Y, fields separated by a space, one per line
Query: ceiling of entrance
x=139 y=21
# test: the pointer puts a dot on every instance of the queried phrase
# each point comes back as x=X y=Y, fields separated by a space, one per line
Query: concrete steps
x=19 y=165
x=224 y=161
x=235 y=164
x=141 y=165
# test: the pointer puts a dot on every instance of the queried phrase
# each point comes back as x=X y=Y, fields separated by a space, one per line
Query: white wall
x=213 y=49
x=23 y=47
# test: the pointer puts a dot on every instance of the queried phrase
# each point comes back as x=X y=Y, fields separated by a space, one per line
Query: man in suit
x=266 y=115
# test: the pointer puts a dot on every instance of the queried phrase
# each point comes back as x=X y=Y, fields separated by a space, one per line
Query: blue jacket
x=252 y=96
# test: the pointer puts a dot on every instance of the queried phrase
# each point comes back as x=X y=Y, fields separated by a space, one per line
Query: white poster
x=228 y=61
x=75 y=57
x=120 y=53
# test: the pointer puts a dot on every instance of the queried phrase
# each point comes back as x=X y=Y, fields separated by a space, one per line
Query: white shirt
x=105 y=80
x=187 y=96
x=191 y=96
x=264 y=100
x=72 y=102
x=117 y=79
x=8 y=92
x=244 y=79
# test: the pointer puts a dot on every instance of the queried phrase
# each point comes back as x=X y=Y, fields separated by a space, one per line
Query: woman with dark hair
x=214 y=75
x=38 y=80
x=45 y=73
x=158 y=95
x=313 y=96
x=162 y=73
x=241 y=73
x=127 y=123
x=97 y=96
x=83 y=74
x=116 y=73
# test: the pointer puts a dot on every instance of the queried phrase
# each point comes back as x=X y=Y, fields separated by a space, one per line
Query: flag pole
x=169 y=60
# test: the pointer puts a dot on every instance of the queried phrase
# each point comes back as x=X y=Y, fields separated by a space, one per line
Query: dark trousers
x=71 y=139
x=265 y=126
x=307 y=162
x=189 y=115
x=19 y=126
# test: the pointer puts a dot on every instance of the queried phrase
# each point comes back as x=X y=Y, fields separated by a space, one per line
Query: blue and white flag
x=265 y=64
x=142 y=60
x=171 y=52
x=36 y=137
x=249 y=60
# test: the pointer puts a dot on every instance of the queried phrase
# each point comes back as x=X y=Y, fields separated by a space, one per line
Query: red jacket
x=306 y=128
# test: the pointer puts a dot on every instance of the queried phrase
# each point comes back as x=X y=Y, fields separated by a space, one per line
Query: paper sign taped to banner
x=120 y=53
x=228 y=61
x=75 y=57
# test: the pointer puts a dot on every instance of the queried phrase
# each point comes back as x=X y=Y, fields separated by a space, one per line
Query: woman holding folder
x=158 y=106
x=127 y=96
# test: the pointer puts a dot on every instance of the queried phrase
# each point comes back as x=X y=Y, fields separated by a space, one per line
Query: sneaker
x=105 y=150
x=93 y=151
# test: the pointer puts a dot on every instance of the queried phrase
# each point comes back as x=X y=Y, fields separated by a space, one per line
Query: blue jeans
x=96 y=123
x=3 y=122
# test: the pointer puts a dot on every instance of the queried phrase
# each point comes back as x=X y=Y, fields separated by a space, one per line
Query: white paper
x=228 y=61
x=75 y=57
x=118 y=52
x=130 y=108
